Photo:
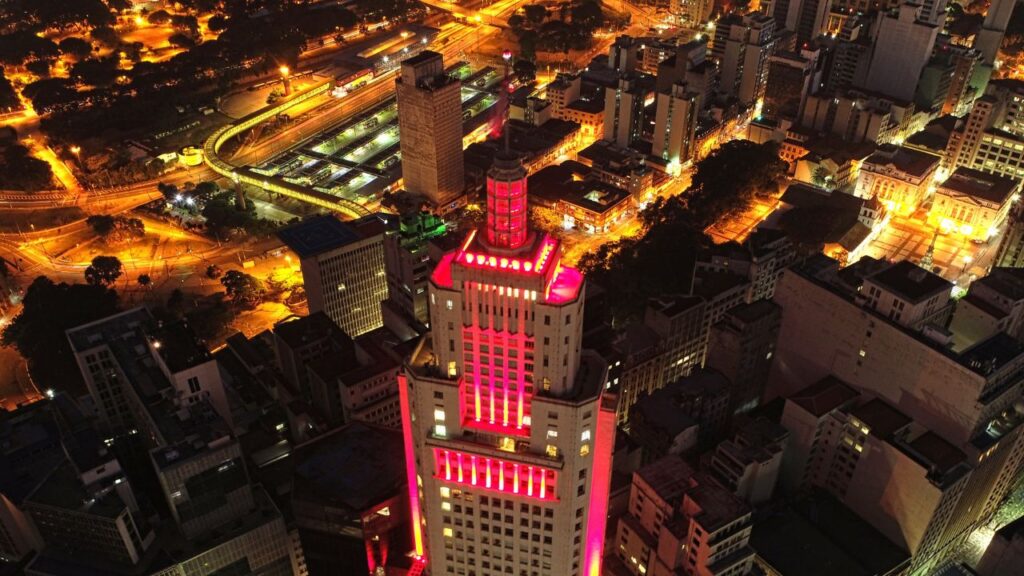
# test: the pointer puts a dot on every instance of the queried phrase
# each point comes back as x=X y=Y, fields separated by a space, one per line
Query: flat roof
x=354 y=467
x=668 y=477
x=63 y=489
x=911 y=282
x=322 y=233
x=978 y=184
x=908 y=160
x=824 y=395
x=882 y=418
x=818 y=535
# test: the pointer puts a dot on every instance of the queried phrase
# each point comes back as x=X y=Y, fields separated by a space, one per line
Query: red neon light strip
x=410 y=464
x=523 y=479
x=600 y=486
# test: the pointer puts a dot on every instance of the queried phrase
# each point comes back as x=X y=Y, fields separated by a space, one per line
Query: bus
x=351 y=82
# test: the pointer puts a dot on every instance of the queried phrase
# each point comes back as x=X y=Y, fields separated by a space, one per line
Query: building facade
x=508 y=432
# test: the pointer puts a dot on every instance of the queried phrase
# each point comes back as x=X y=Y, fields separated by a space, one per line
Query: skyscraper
x=342 y=268
x=994 y=28
x=675 y=124
x=430 y=129
x=624 y=111
x=508 y=432
x=902 y=48
x=744 y=46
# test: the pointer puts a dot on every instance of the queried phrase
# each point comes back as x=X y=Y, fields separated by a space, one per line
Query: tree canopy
x=104 y=271
x=115 y=230
x=38 y=330
x=243 y=289
x=19 y=170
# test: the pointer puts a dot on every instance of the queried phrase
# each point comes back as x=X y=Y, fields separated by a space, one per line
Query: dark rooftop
x=301 y=331
x=818 y=535
x=975 y=183
x=824 y=396
x=354 y=467
x=64 y=490
x=910 y=282
x=883 y=419
x=318 y=234
x=910 y=161
x=939 y=455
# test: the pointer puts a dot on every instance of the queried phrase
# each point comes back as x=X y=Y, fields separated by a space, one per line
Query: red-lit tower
x=508 y=429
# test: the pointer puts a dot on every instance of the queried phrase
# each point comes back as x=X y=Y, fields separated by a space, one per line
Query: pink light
x=600 y=482
x=564 y=286
x=442 y=275
x=410 y=464
x=459 y=457
x=447 y=466
x=516 y=471
x=472 y=479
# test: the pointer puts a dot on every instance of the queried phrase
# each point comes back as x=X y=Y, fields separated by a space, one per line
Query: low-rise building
x=662 y=422
x=973 y=203
x=593 y=207
x=899 y=177
x=680 y=522
x=750 y=462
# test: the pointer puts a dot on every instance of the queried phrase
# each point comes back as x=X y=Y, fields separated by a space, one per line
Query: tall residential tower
x=508 y=431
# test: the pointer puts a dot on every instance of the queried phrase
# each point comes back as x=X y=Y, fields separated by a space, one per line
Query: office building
x=993 y=304
x=807 y=18
x=624 y=111
x=903 y=46
x=220 y=521
x=674 y=126
x=430 y=130
x=658 y=418
x=791 y=78
x=300 y=341
x=624 y=54
x=350 y=501
x=899 y=177
x=409 y=257
x=1005 y=552
x=992 y=139
x=742 y=346
x=681 y=522
x=1010 y=253
x=342 y=268
x=360 y=386
x=993 y=29
x=508 y=432
x=761 y=259
x=895 y=388
x=749 y=464
x=973 y=203
x=743 y=46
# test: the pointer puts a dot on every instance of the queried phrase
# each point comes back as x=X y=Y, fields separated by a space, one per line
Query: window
x=585 y=436
x=193 y=384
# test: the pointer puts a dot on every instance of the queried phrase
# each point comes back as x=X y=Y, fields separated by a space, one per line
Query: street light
x=285 y=71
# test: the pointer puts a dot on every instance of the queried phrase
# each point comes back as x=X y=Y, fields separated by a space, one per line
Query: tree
x=182 y=40
x=96 y=71
x=8 y=97
x=144 y=280
x=159 y=17
x=104 y=271
x=19 y=170
x=114 y=230
x=22 y=46
x=75 y=47
x=170 y=191
x=824 y=178
x=535 y=14
x=105 y=35
x=727 y=181
x=223 y=214
x=217 y=23
x=242 y=288
x=213 y=271
x=38 y=331
x=525 y=70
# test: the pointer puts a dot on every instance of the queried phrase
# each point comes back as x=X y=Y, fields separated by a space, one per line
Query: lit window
x=447 y=532
x=585 y=437
x=446 y=492
x=438 y=415
x=507 y=444
x=552 y=434
x=552 y=450
x=585 y=450
x=448 y=304
x=440 y=430
x=446 y=506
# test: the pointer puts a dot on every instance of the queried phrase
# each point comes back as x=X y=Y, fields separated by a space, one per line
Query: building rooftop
x=906 y=160
x=818 y=535
x=63 y=489
x=825 y=395
x=910 y=282
x=319 y=234
x=353 y=468
x=940 y=457
x=881 y=418
x=301 y=331
x=982 y=185
x=668 y=477
x=718 y=506
x=663 y=408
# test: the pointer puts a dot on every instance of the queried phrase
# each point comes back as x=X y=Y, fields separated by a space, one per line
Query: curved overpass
x=211 y=150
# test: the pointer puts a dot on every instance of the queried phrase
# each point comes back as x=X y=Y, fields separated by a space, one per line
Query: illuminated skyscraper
x=508 y=431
